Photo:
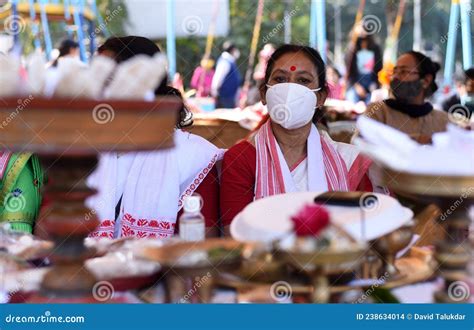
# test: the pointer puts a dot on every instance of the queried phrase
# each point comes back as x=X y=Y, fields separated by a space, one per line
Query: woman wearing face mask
x=287 y=153
x=412 y=81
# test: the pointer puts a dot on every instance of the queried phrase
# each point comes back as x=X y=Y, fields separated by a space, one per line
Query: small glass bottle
x=192 y=226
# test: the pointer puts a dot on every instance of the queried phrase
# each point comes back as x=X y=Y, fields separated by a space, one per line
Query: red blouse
x=209 y=191
x=238 y=180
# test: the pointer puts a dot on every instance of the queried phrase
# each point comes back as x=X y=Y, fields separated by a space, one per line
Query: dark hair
x=426 y=67
x=65 y=48
x=469 y=74
x=185 y=116
x=124 y=48
x=351 y=59
x=371 y=44
x=228 y=46
x=66 y=45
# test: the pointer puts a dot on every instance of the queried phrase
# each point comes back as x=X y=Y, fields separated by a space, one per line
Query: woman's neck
x=292 y=142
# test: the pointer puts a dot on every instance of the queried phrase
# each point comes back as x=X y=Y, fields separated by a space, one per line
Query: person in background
x=364 y=62
x=141 y=193
x=202 y=78
x=21 y=179
x=227 y=78
x=67 y=48
x=334 y=83
x=121 y=49
x=412 y=82
x=288 y=153
x=466 y=93
x=253 y=95
x=263 y=57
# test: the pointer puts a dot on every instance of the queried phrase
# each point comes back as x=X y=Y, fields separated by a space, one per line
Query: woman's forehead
x=295 y=62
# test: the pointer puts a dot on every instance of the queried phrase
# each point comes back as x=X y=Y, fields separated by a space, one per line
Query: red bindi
x=293 y=68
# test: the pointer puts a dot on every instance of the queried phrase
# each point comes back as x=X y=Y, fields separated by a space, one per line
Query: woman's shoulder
x=348 y=152
x=194 y=145
x=184 y=138
x=241 y=152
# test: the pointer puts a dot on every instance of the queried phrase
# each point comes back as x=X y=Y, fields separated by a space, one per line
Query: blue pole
x=451 y=43
x=171 y=36
x=466 y=13
x=34 y=24
x=321 y=27
x=45 y=24
x=77 y=14
x=67 y=14
x=16 y=49
x=102 y=26
x=91 y=28
x=312 y=24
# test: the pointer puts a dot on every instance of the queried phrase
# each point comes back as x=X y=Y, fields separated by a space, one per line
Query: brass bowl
x=388 y=245
x=325 y=258
x=262 y=268
x=428 y=188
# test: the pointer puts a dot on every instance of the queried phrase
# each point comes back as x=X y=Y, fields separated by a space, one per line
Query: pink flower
x=311 y=220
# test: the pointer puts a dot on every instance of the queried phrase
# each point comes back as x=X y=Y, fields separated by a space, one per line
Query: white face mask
x=291 y=105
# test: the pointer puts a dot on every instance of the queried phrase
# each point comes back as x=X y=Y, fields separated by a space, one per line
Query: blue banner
x=243 y=316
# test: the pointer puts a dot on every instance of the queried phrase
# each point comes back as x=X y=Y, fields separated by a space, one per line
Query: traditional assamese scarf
x=154 y=188
x=332 y=166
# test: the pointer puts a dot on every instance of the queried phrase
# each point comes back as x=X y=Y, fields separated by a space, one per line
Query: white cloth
x=450 y=154
x=154 y=187
x=316 y=178
x=300 y=176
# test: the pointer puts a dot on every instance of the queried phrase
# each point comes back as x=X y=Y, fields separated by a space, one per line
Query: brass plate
x=87 y=126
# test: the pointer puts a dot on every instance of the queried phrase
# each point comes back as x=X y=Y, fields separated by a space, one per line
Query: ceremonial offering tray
x=191 y=267
x=329 y=262
x=320 y=263
x=448 y=193
x=24 y=246
x=68 y=135
x=189 y=256
x=269 y=219
x=413 y=268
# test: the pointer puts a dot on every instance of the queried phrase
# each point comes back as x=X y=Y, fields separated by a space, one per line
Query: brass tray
x=428 y=186
x=169 y=255
x=412 y=270
x=74 y=126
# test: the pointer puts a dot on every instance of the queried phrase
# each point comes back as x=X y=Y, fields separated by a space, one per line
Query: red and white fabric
x=4 y=158
x=331 y=165
x=154 y=187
